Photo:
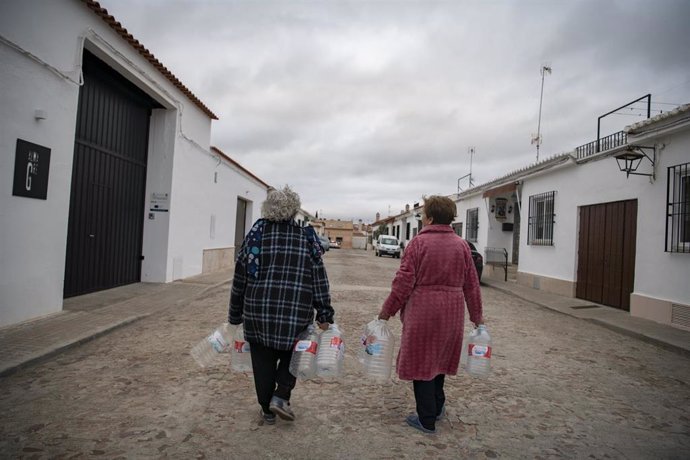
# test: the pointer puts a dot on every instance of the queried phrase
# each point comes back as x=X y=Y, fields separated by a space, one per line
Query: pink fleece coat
x=436 y=277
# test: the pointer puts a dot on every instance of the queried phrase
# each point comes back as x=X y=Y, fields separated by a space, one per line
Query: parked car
x=478 y=260
x=335 y=245
x=325 y=244
x=386 y=244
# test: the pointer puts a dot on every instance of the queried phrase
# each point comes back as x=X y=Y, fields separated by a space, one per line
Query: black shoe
x=443 y=412
x=281 y=408
x=414 y=422
x=268 y=419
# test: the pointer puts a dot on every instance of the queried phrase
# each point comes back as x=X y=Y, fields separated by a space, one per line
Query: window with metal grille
x=541 y=219
x=678 y=208
x=472 y=224
x=457 y=227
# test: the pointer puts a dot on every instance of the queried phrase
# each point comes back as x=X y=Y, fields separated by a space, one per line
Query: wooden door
x=606 y=253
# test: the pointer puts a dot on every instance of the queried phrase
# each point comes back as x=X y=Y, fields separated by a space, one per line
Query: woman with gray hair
x=280 y=283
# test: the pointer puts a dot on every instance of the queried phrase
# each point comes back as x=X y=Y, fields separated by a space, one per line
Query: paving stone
x=560 y=387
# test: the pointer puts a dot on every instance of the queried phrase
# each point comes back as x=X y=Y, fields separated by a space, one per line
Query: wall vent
x=680 y=315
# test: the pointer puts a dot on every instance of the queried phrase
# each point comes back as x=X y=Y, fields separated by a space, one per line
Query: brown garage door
x=606 y=253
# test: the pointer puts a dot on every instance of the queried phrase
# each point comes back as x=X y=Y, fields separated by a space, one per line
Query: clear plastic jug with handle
x=478 y=352
x=331 y=352
x=206 y=352
x=376 y=353
x=303 y=362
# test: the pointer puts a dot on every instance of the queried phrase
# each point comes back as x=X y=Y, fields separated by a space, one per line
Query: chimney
x=378 y=216
x=407 y=208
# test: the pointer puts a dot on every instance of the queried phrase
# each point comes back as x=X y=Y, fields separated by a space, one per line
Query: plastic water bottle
x=376 y=354
x=479 y=352
x=241 y=359
x=303 y=362
x=205 y=353
x=331 y=352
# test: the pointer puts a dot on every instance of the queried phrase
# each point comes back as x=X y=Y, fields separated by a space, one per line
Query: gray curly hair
x=280 y=204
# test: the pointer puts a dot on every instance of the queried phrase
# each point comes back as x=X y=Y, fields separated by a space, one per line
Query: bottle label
x=337 y=342
x=306 y=345
x=218 y=342
x=241 y=347
x=479 y=351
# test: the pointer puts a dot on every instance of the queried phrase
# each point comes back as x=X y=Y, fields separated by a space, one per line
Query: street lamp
x=629 y=159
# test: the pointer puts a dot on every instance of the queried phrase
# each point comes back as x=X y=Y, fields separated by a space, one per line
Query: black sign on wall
x=31 y=165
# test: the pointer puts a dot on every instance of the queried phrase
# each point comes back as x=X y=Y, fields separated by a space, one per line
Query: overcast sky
x=363 y=106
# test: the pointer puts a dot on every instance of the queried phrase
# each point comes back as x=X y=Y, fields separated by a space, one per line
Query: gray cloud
x=365 y=105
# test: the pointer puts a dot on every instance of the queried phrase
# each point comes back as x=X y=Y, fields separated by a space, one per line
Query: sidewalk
x=89 y=316
x=86 y=317
x=667 y=337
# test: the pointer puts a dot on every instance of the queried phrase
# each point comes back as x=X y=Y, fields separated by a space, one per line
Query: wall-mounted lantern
x=629 y=160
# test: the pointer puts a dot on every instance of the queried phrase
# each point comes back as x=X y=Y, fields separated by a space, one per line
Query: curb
x=62 y=348
x=621 y=330
x=42 y=356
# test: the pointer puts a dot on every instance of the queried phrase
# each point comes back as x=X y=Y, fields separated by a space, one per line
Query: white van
x=387 y=244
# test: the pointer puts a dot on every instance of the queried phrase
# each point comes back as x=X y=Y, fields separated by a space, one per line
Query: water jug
x=376 y=354
x=241 y=359
x=331 y=352
x=303 y=362
x=479 y=352
x=205 y=353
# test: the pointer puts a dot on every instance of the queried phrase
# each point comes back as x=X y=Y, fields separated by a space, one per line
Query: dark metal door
x=106 y=215
x=606 y=253
x=240 y=219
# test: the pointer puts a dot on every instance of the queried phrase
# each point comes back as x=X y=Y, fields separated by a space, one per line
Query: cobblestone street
x=560 y=388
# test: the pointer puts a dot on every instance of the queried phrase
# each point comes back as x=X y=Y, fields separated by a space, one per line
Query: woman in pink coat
x=436 y=277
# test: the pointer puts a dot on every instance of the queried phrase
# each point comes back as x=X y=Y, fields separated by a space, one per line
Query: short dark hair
x=440 y=208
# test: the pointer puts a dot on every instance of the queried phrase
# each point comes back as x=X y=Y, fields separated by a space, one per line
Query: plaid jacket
x=280 y=280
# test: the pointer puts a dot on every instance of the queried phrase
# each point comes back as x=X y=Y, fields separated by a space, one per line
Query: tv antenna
x=470 y=150
x=536 y=139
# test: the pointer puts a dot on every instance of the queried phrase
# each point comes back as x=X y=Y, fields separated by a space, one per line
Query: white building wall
x=586 y=184
x=41 y=47
x=32 y=231
x=658 y=274
x=203 y=211
x=483 y=219
x=162 y=138
x=496 y=237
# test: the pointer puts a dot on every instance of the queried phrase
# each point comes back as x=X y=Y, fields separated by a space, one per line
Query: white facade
x=41 y=48
x=303 y=218
x=660 y=278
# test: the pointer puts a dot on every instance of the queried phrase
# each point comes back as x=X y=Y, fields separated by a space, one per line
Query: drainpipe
x=488 y=212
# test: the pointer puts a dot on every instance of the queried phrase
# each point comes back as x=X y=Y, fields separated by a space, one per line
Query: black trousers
x=430 y=398
x=272 y=375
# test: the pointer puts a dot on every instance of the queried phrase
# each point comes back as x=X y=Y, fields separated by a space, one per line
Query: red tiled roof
x=230 y=160
x=117 y=27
